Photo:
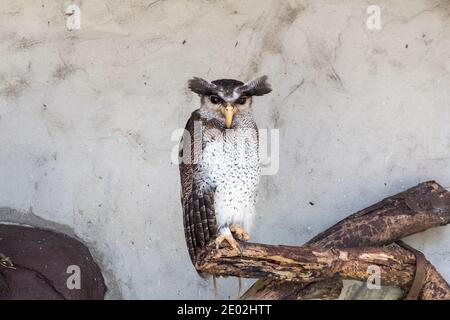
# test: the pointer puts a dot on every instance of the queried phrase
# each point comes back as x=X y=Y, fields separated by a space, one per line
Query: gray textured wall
x=86 y=119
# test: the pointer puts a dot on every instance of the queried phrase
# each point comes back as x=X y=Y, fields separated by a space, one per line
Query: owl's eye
x=241 y=100
x=215 y=99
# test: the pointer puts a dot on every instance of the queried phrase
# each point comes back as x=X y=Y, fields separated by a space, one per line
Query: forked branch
x=344 y=251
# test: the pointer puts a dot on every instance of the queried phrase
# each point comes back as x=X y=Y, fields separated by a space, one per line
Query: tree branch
x=306 y=264
x=318 y=268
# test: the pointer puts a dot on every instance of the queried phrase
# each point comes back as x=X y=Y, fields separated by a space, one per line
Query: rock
x=47 y=265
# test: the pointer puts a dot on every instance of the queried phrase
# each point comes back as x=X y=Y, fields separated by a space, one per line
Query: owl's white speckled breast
x=230 y=163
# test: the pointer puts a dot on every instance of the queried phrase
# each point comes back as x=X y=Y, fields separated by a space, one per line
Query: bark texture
x=344 y=251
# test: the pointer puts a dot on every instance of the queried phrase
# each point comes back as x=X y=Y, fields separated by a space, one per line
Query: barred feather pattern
x=200 y=225
x=211 y=179
x=256 y=87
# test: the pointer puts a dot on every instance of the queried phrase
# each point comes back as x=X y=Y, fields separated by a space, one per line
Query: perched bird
x=219 y=163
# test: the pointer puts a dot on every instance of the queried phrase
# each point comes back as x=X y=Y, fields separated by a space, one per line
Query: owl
x=219 y=163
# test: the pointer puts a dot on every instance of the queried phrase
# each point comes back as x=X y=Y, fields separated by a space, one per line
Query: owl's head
x=227 y=97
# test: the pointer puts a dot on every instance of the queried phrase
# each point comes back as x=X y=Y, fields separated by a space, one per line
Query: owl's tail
x=216 y=292
x=215 y=287
x=239 y=288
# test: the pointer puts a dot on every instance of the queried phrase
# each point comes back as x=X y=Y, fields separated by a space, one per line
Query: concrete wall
x=86 y=118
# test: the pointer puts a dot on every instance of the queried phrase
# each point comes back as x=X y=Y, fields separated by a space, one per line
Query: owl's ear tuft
x=256 y=87
x=201 y=86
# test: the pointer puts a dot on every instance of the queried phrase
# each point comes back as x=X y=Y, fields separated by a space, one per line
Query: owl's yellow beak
x=228 y=112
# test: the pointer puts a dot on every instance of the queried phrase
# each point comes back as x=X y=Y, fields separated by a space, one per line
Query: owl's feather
x=202 y=87
x=256 y=87
x=219 y=168
x=199 y=217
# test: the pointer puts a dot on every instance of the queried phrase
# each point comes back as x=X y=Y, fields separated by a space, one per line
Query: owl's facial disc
x=228 y=106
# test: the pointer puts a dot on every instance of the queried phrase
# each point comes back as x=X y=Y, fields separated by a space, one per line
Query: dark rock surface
x=43 y=264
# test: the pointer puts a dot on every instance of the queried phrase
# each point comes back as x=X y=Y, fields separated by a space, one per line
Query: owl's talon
x=231 y=241
x=239 y=232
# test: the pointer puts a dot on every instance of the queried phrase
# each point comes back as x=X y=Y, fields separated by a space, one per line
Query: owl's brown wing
x=199 y=217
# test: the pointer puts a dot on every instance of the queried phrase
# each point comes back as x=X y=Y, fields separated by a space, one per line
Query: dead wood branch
x=299 y=273
x=306 y=264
